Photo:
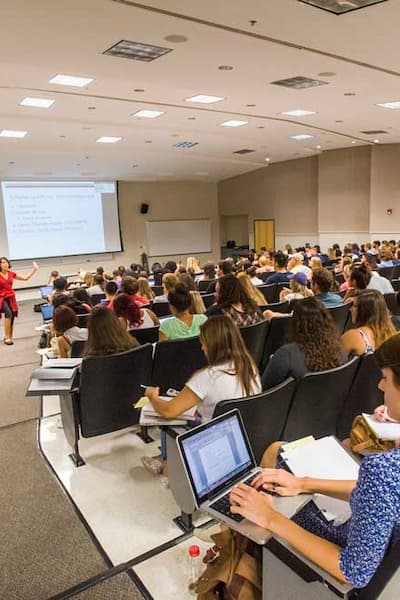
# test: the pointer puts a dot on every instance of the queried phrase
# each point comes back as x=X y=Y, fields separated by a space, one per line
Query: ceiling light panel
x=373 y=131
x=137 y=51
x=233 y=123
x=109 y=140
x=302 y=136
x=298 y=113
x=11 y=133
x=186 y=145
x=392 y=105
x=339 y=7
x=299 y=83
x=243 y=151
x=148 y=114
x=204 y=99
x=37 y=102
x=71 y=80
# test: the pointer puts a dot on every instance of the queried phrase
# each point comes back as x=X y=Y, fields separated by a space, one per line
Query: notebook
x=216 y=457
x=383 y=431
x=149 y=416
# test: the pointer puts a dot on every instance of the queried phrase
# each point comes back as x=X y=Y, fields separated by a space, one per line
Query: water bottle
x=194 y=562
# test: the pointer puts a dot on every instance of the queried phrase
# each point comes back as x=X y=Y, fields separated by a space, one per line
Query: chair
x=264 y=415
x=203 y=285
x=83 y=320
x=254 y=338
x=387 y=272
x=279 y=288
x=318 y=402
x=208 y=299
x=103 y=401
x=392 y=303
x=277 y=331
x=280 y=307
x=161 y=309
x=158 y=290
x=77 y=348
x=158 y=279
x=340 y=315
x=147 y=335
x=97 y=298
x=396 y=284
x=339 y=278
x=268 y=291
x=364 y=395
x=175 y=361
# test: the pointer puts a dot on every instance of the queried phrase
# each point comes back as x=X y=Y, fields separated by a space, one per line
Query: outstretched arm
x=30 y=274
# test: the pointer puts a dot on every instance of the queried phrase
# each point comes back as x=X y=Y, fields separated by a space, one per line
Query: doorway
x=264 y=234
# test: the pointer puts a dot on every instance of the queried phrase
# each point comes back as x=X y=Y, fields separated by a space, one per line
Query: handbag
x=362 y=438
x=234 y=569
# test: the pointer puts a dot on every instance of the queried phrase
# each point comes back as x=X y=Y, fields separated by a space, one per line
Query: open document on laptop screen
x=216 y=454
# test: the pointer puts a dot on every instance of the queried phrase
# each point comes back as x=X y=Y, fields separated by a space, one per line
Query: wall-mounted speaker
x=144 y=209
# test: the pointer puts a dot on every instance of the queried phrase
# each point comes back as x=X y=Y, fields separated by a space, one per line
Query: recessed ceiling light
x=225 y=68
x=9 y=133
x=71 y=80
x=37 y=102
x=109 y=139
x=299 y=82
x=148 y=114
x=339 y=121
x=186 y=145
x=302 y=136
x=376 y=141
x=298 y=113
x=250 y=105
x=91 y=108
x=349 y=94
x=267 y=159
x=260 y=127
x=176 y=38
x=392 y=105
x=204 y=99
x=233 y=123
x=353 y=142
x=318 y=147
x=137 y=51
x=138 y=90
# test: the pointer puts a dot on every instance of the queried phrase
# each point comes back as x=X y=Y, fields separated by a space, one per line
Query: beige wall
x=235 y=227
x=385 y=191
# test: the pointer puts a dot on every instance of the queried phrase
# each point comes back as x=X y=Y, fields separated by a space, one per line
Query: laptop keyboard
x=222 y=505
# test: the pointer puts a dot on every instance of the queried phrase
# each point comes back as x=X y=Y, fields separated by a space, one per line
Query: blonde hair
x=298 y=288
x=263 y=261
x=251 y=289
x=88 y=279
x=169 y=281
x=315 y=263
x=145 y=289
x=198 y=307
x=193 y=264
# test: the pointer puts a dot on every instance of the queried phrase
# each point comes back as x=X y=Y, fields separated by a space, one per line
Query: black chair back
x=208 y=299
x=77 y=348
x=264 y=415
x=396 y=284
x=340 y=315
x=339 y=278
x=277 y=331
x=158 y=290
x=279 y=288
x=318 y=402
x=203 y=285
x=254 y=338
x=392 y=303
x=97 y=298
x=83 y=320
x=269 y=292
x=280 y=307
x=175 y=361
x=161 y=309
x=147 y=335
x=364 y=395
x=109 y=386
x=387 y=272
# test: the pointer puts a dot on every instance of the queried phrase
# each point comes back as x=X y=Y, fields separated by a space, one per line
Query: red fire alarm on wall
x=389 y=211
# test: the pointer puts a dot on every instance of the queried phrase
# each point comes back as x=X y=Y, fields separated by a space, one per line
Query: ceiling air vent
x=339 y=7
x=185 y=145
x=299 y=83
x=137 y=51
x=374 y=132
x=243 y=151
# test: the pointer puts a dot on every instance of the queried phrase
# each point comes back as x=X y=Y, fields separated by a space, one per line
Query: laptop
x=45 y=291
x=47 y=313
x=216 y=457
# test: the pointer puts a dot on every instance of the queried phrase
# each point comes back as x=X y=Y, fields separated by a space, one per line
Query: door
x=264 y=234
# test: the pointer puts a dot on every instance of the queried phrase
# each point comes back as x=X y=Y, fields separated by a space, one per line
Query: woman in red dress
x=8 y=302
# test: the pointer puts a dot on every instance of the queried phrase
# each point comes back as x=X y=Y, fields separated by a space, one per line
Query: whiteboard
x=178 y=237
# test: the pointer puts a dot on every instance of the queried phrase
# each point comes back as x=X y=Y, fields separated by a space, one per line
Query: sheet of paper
x=62 y=363
x=384 y=431
x=142 y=402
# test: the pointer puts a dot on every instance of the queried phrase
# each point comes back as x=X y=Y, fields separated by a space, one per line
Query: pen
x=145 y=387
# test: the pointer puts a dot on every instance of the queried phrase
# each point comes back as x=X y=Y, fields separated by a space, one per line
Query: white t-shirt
x=302 y=269
x=214 y=384
x=379 y=283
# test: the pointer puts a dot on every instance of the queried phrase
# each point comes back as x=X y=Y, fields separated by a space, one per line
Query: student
x=251 y=290
x=371 y=319
x=281 y=274
x=111 y=291
x=130 y=286
x=65 y=323
x=98 y=285
x=131 y=314
x=169 y=281
x=295 y=265
x=315 y=345
x=53 y=275
x=350 y=552
x=252 y=273
x=209 y=272
x=298 y=288
x=233 y=301
x=362 y=277
x=322 y=281
x=231 y=373
x=81 y=295
x=225 y=267
x=145 y=290
x=183 y=324
x=106 y=334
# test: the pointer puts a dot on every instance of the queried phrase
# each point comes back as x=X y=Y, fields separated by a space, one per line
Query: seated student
x=352 y=551
x=233 y=301
x=60 y=289
x=131 y=314
x=169 y=281
x=183 y=324
x=209 y=272
x=298 y=289
x=81 y=295
x=315 y=345
x=281 y=274
x=315 y=263
x=66 y=330
x=231 y=373
x=144 y=289
x=111 y=291
x=198 y=307
x=265 y=266
x=98 y=285
x=252 y=273
x=386 y=257
x=362 y=277
x=251 y=290
x=322 y=281
x=130 y=286
x=53 y=275
x=371 y=318
x=193 y=266
x=296 y=265
x=225 y=267
x=106 y=334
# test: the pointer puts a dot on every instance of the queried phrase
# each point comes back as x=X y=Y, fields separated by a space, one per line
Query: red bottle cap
x=194 y=551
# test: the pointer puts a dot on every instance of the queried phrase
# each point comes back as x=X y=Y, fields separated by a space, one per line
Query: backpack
x=363 y=438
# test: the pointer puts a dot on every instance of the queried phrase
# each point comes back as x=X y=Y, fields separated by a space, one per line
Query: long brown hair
x=145 y=289
x=106 y=334
x=372 y=312
x=251 y=289
x=230 y=292
x=224 y=344
x=315 y=332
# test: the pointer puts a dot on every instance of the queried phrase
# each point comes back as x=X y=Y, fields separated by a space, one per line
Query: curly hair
x=315 y=333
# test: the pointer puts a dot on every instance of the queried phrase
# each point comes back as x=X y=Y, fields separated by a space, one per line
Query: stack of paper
x=383 y=431
x=149 y=416
x=43 y=373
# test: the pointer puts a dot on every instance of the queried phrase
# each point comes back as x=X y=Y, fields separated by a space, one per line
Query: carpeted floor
x=44 y=547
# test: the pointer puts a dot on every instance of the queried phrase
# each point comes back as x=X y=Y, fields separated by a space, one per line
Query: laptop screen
x=47 y=311
x=46 y=290
x=216 y=454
